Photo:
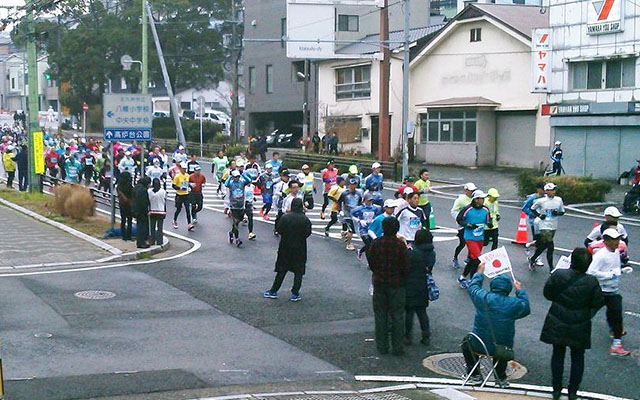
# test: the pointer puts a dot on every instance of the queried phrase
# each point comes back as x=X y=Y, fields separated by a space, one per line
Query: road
x=199 y=321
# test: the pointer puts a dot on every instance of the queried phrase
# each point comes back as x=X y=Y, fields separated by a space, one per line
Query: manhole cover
x=95 y=295
x=452 y=364
x=43 y=335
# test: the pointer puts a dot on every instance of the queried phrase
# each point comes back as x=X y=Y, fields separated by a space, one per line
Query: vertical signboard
x=310 y=29
x=38 y=152
x=541 y=60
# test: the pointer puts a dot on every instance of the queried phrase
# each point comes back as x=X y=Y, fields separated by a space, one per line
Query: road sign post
x=85 y=108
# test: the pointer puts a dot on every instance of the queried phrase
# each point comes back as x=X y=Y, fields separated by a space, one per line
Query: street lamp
x=305 y=115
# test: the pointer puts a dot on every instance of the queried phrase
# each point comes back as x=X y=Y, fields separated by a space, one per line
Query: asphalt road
x=200 y=321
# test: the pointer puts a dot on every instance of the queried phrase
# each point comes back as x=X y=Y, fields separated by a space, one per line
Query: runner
x=535 y=231
x=375 y=228
x=347 y=202
x=196 y=181
x=329 y=176
x=249 y=197
x=192 y=164
x=179 y=156
x=88 y=162
x=218 y=166
x=265 y=183
x=181 y=186
x=491 y=233
x=611 y=216
x=364 y=216
x=412 y=219
x=236 y=204
x=547 y=210
x=353 y=174
x=294 y=192
x=276 y=162
x=423 y=186
x=333 y=195
x=407 y=182
x=278 y=195
x=155 y=172
x=72 y=169
x=473 y=218
x=308 y=186
x=461 y=202
x=127 y=164
x=374 y=184
x=51 y=161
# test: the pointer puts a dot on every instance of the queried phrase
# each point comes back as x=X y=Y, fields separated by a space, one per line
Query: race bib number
x=54 y=160
x=414 y=223
x=89 y=161
x=184 y=185
x=368 y=215
x=479 y=231
x=237 y=193
x=268 y=184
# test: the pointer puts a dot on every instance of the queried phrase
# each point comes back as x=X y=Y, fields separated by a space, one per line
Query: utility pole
x=384 y=123
x=144 y=67
x=405 y=92
x=305 y=105
x=235 y=60
x=32 y=66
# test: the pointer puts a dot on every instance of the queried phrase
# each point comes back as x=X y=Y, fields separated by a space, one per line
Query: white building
x=471 y=90
x=14 y=87
x=595 y=85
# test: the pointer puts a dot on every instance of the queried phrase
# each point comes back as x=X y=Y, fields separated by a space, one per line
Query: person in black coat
x=141 y=212
x=575 y=297
x=421 y=260
x=22 y=159
x=294 y=229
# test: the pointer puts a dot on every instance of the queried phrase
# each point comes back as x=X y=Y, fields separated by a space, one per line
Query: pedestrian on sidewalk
x=294 y=228
x=494 y=322
x=461 y=202
x=8 y=159
x=575 y=297
x=606 y=267
x=141 y=204
x=125 y=200
x=422 y=258
x=473 y=218
x=388 y=261
x=547 y=210
x=157 y=211
x=196 y=181
x=491 y=234
x=22 y=160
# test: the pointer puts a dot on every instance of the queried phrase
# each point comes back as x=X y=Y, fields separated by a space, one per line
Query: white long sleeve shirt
x=605 y=266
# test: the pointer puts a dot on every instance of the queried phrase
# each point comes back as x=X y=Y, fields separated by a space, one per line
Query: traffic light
x=47 y=76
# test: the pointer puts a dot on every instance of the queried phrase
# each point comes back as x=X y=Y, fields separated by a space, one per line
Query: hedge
x=164 y=128
x=572 y=189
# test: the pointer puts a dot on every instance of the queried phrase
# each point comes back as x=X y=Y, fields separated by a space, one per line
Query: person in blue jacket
x=373 y=184
x=473 y=218
x=495 y=311
x=375 y=227
x=364 y=216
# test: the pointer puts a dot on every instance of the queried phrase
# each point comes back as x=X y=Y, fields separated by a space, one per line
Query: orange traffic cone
x=522 y=236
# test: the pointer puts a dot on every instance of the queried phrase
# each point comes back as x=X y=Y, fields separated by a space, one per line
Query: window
x=348 y=23
x=269 y=79
x=123 y=84
x=152 y=84
x=611 y=74
x=185 y=105
x=476 y=35
x=448 y=126
x=283 y=31
x=13 y=84
x=353 y=82
x=297 y=69
x=252 y=79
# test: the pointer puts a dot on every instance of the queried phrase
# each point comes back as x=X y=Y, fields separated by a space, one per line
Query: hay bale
x=74 y=201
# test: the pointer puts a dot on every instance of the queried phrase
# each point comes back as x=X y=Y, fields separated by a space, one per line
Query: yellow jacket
x=9 y=164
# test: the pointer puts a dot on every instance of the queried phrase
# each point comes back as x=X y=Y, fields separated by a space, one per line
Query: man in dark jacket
x=422 y=258
x=495 y=320
x=141 y=212
x=22 y=159
x=388 y=262
x=575 y=297
x=294 y=229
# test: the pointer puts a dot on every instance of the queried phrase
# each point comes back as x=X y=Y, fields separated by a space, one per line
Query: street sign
x=85 y=107
x=127 y=117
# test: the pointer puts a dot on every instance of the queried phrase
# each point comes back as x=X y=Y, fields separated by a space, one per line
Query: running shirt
x=423 y=190
x=596 y=232
x=181 y=181
x=365 y=215
x=278 y=193
x=373 y=183
x=88 y=161
x=191 y=166
x=307 y=183
x=276 y=165
x=198 y=181
x=334 y=195
x=606 y=267
x=237 y=192
x=154 y=172
x=127 y=165
x=526 y=206
x=411 y=221
x=375 y=228
x=72 y=168
x=179 y=157
x=286 y=203
x=461 y=202
x=494 y=212
x=219 y=164
x=478 y=218
x=546 y=206
x=249 y=195
x=329 y=177
x=348 y=201
x=266 y=182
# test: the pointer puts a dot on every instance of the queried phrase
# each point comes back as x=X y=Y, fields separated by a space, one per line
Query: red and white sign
x=496 y=263
x=541 y=60
x=605 y=16
x=85 y=107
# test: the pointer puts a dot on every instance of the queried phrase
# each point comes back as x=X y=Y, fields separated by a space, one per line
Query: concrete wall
x=448 y=153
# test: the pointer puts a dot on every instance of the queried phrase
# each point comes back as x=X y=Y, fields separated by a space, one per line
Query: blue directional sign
x=127 y=117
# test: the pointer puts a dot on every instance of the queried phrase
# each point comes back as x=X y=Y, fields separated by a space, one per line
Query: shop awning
x=460 y=102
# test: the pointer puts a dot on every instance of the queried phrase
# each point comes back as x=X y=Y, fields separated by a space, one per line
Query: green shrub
x=164 y=128
x=234 y=150
x=572 y=189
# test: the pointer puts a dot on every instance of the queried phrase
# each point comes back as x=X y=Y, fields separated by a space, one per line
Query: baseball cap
x=550 y=186
x=493 y=192
x=156 y=161
x=470 y=186
x=305 y=166
x=330 y=161
x=353 y=181
x=235 y=172
x=408 y=178
x=557 y=142
x=183 y=165
x=611 y=233
x=375 y=165
x=612 y=212
x=478 y=194
x=407 y=190
x=390 y=203
x=268 y=166
x=353 y=169
x=367 y=196
x=127 y=153
x=301 y=176
x=181 y=147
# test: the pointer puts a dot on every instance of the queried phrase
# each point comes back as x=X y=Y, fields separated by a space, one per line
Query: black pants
x=491 y=235
x=23 y=180
x=325 y=201
x=182 y=199
x=10 y=176
x=236 y=217
x=308 y=200
x=333 y=220
x=557 y=368
x=280 y=213
x=53 y=171
x=471 y=268
x=557 y=168
x=545 y=242
x=248 y=211
x=461 y=243
x=126 y=219
x=423 y=319
x=266 y=207
x=197 y=202
x=366 y=239
x=427 y=212
x=388 y=309
x=142 y=229
x=277 y=282
x=156 y=226
x=470 y=359
x=613 y=303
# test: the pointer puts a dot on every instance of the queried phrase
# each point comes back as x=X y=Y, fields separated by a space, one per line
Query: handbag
x=502 y=353
x=432 y=288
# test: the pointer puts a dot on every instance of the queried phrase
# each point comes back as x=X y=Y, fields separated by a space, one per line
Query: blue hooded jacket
x=504 y=310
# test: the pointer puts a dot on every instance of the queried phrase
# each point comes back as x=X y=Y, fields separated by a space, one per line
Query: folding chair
x=480 y=356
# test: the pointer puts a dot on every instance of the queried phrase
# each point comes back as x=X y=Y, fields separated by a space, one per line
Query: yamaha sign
x=605 y=16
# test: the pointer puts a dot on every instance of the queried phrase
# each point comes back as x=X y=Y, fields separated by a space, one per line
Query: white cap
x=390 y=203
x=612 y=212
x=612 y=233
x=305 y=166
x=156 y=161
x=550 y=186
x=478 y=194
x=181 y=147
x=127 y=153
x=183 y=165
x=268 y=165
x=470 y=186
x=375 y=165
x=557 y=142
x=235 y=172
x=407 y=190
x=240 y=164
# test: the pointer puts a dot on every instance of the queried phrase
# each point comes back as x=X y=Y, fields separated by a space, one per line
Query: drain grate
x=95 y=295
x=453 y=364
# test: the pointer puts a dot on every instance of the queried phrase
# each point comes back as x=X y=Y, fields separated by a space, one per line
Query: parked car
x=188 y=114
x=213 y=117
x=161 y=114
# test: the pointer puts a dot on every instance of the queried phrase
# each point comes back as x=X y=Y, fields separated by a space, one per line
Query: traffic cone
x=522 y=236
x=432 y=220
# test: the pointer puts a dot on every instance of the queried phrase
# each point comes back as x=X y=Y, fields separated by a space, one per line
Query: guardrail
x=210 y=149
x=388 y=168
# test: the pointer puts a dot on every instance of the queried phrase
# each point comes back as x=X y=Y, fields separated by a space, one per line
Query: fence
x=388 y=169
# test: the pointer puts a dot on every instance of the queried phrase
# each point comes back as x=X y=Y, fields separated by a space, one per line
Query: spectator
x=22 y=160
x=494 y=323
x=8 y=159
x=389 y=264
x=315 y=141
x=422 y=258
x=575 y=298
x=157 y=211
x=125 y=198
x=333 y=143
x=142 y=212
